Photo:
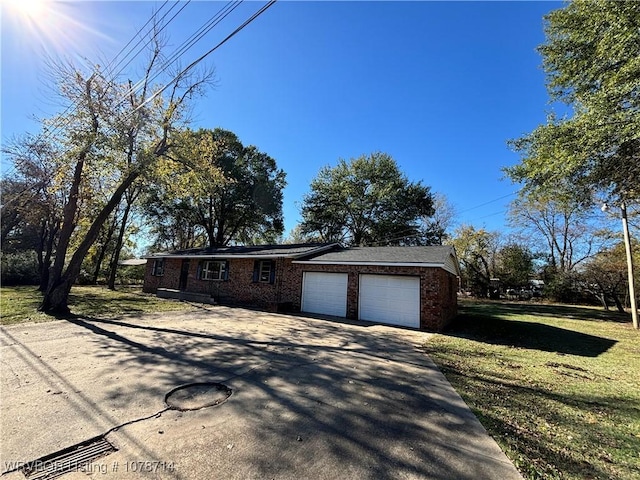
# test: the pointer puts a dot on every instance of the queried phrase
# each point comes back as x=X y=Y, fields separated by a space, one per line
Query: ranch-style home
x=407 y=286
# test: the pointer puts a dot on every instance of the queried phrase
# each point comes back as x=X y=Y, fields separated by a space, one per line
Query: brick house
x=408 y=286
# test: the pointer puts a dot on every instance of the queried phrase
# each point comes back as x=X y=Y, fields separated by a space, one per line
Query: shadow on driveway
x=312 y=399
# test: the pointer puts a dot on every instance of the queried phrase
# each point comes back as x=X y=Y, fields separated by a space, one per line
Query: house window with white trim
x=213 y=270
x=264 y=271
x=158 y=267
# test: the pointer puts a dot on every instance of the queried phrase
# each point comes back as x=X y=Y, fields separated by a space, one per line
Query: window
x=264 y=271
x=213 y=270
x=158 y=267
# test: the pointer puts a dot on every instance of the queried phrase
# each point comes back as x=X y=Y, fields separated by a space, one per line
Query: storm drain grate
x=70 y=459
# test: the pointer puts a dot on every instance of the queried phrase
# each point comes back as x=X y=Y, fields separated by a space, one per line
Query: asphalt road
x=310 y=399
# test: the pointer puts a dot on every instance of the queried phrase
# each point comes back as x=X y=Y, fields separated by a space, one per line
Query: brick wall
x=239 y=289
x=438 y=288
x=170 y=278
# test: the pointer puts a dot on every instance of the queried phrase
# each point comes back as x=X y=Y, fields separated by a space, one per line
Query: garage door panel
x=390 y=299
x=325 y=293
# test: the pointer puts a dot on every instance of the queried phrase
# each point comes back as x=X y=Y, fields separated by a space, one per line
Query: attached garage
x=413 y=287
x=393 y=299
x=324 y=293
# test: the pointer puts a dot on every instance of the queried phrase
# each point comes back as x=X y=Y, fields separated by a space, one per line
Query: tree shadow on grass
x=530 y=335
x=523 y=437
x=572 y=312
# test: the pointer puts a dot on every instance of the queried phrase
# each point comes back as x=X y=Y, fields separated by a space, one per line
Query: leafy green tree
x=92 y=138
x=592 y=62
x=171 y=226
x=31 y=202
x=514 y=265
x=366 y=201
x=232 y=192
x=477 y=251
x=19 y=268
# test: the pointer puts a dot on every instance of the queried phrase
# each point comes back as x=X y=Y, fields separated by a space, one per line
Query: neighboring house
x=409 y=286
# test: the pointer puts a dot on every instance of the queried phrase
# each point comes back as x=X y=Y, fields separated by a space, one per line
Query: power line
x=186 y=45
x=141 y=37
x=489 y=202
x=490 y=215
x=202 y=57
x=66 y=121
x=198 y=35
x=194 y=38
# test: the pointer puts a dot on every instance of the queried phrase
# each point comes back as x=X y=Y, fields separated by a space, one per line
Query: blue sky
x=440 y=86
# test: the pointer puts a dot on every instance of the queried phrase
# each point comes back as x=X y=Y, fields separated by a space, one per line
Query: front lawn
x=20 y=304
x=558 y=387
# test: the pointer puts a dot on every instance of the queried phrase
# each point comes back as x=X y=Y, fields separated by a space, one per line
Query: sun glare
x=32 y=10
x=48 y=27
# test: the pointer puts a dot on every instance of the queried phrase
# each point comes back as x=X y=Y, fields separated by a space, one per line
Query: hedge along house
x=408 y=286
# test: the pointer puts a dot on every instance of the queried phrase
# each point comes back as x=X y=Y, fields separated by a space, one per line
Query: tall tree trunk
x=71 y=208
x=103 y=249
x=115 y=258
x=617 y=301
x=99 y=260
x=48 y=253
x=55 y=300
x=68 y=223
x=603 y=300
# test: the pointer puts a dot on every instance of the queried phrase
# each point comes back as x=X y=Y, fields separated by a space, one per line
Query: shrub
x=20 y=268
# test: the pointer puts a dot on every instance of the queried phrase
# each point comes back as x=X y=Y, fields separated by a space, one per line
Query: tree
x=172 y=226
x=437 y=227
x=591 y=62
x=604 y=276
x=477 y=251
x=366 y=201
x=130 y=197
x=92 y=135
x=32 y=202
x=232 y=192
x=560 y=227
x=295 y=236
x=514 y=265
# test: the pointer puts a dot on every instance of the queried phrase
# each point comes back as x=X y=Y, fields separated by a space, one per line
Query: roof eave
x=379 y=264
x=372 y=263
x=314 y=251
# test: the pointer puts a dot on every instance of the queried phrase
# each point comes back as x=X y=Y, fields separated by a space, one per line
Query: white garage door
x=390 y=299
x=324 y=293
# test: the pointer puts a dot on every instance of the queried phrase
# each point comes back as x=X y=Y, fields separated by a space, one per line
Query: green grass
x=20 y=304
x=558 y=387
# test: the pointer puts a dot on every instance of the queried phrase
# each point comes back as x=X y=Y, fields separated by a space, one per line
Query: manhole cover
x=195 y=396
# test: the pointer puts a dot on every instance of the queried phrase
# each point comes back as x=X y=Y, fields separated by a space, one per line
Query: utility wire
x=183 y=48
x=142 y=37
x=206 y=28
x=186 y=46
x=65 y=119
x=487 y=203
x=202 y=57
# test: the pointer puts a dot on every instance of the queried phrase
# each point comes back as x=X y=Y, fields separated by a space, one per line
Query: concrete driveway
x=311 y=399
